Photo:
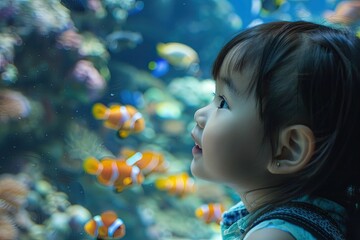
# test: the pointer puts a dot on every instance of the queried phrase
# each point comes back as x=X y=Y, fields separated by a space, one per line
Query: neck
x=256 y=198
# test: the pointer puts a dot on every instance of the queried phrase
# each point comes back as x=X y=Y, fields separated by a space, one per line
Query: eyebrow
x=230 y=84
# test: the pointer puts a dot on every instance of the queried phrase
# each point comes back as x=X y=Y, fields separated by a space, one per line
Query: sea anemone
x=82 y=143
x=8 y=229
x=12 y=194
x=13 y=105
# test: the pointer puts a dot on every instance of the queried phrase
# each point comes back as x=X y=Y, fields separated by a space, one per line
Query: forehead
x=237 y=70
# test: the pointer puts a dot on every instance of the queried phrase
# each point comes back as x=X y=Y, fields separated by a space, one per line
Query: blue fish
x=159 y=67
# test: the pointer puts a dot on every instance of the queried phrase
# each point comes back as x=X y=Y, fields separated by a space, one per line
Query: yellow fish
x=125 y=119
x=178 y=54
x=269 y=6
x=179 y=184
x=113 y=172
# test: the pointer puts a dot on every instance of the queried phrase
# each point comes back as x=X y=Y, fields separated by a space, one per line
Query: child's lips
x=196 y=150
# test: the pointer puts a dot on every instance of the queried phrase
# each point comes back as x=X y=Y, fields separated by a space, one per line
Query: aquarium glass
x=97 y=103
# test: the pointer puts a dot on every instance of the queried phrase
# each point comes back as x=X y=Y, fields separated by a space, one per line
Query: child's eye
x=223 y=103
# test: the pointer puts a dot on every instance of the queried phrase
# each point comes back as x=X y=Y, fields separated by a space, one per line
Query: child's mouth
x=196 y=150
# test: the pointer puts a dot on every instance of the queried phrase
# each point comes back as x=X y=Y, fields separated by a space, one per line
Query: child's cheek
x=218 y=153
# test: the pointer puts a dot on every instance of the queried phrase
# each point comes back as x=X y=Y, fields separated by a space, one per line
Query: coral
x=58 y=223
x=86 y=75
x=13 y=105
x=20 y=114
x=37 y=232
x=92 y=46
x=36 y=15
x=56 y=202
x=48 y=213
x=30 y=123
x=52 y=201
x=8 y=10
x=12 y=194
x=78 y=216
x=8 y=229
x=48 y=16
x=192 y=91
x=84 y=71
x=69 y=39
x=96 y=6
x=9 y=74
x=120 y=8
x=8 y=41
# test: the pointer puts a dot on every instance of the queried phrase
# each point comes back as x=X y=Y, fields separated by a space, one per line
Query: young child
x=283 y=130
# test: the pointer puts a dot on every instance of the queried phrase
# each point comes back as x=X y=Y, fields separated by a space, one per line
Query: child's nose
x=200 y=117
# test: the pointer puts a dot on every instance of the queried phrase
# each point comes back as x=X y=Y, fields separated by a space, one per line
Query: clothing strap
x=313 y=219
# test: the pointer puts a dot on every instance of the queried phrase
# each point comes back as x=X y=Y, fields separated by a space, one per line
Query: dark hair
x=307 y=73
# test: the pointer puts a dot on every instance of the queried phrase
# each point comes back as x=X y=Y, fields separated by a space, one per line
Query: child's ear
x=294 y=150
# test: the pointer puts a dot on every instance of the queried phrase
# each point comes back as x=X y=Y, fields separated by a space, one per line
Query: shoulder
x=270 y=234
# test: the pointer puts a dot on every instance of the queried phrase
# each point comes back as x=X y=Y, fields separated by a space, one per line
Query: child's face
x=230 y=134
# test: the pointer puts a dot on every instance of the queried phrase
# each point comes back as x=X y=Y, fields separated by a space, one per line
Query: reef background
x=57 y=59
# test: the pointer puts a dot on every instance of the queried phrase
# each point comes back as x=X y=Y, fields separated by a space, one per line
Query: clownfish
x=126 y=119
x=211 y=212
x=113 y=172
x=179 y=184
x=105 y=226
x=148 y=161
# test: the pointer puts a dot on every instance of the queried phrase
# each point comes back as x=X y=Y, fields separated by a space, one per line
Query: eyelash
x=222 y=101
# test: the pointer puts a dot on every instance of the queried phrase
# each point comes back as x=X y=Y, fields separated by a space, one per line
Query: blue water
x=44 y=146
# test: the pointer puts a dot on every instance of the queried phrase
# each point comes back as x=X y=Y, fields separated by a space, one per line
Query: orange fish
x=211 y=212
x=105 y=226
x=124 y=118
x=179 y=184
x=346 y=12
x=113 y=172
x=148 y=161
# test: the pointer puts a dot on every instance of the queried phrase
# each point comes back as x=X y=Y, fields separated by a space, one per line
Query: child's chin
x=197 y=170
x=193 y=168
